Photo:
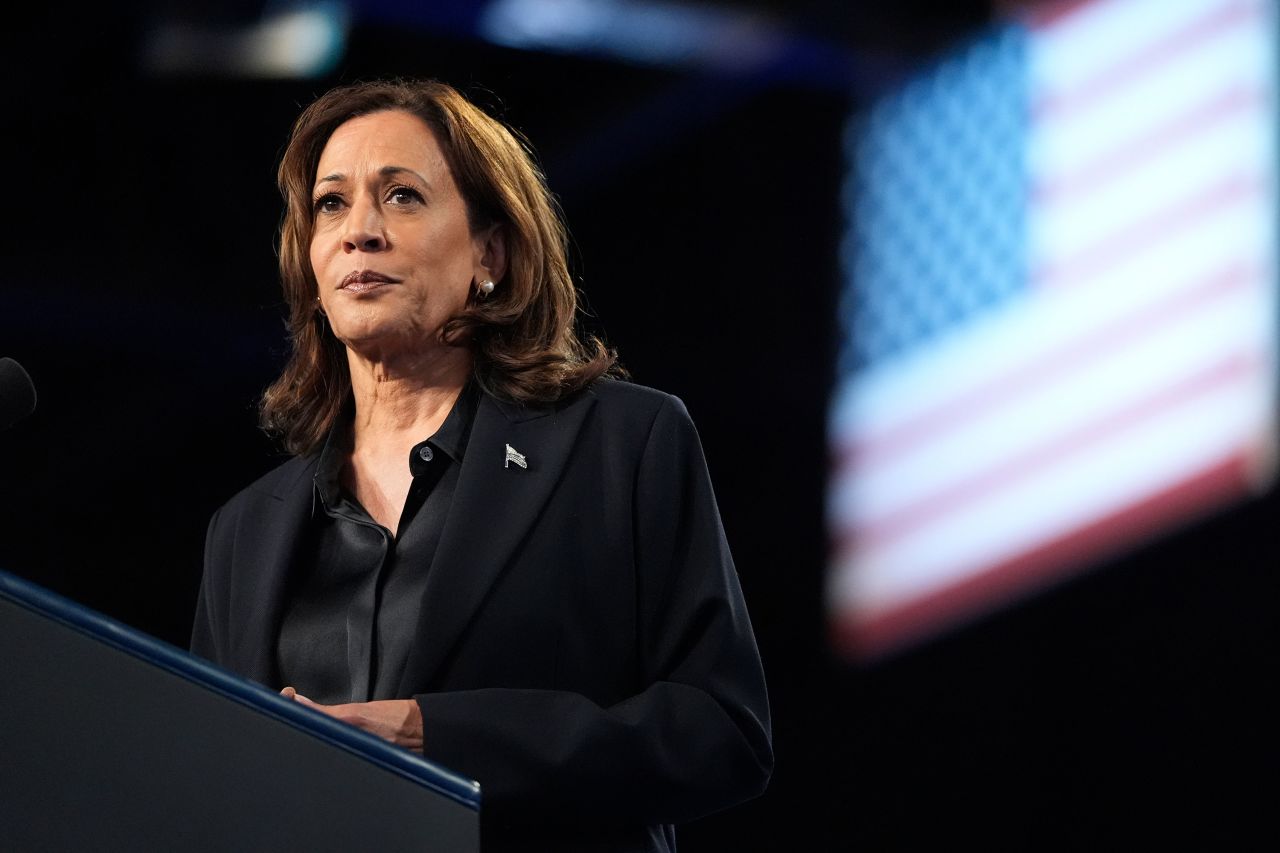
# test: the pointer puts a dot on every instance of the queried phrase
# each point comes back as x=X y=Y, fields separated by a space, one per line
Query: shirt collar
x=452 y=436
x=337 y=447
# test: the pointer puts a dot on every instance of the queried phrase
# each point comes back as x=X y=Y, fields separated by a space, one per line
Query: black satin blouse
x=357 y=587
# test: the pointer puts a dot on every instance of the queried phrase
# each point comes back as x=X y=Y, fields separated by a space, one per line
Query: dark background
x=1128 y=704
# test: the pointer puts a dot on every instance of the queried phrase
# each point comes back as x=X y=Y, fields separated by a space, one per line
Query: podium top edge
x=180 y=662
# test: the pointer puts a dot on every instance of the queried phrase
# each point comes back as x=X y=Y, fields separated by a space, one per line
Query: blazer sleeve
x=695 y=739
x=203 y=641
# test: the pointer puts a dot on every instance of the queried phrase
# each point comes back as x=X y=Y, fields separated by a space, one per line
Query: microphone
x=17 y=393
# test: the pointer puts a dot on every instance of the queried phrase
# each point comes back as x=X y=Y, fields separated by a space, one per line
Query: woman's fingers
x=291 y=693
x=396 y=720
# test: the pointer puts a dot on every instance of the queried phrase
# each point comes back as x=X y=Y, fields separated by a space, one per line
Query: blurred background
x=973 y=305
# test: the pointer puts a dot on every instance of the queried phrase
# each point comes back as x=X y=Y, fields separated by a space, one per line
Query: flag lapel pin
x=515 y=456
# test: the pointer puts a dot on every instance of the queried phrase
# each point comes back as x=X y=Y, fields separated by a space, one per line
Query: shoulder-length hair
x=524 y=339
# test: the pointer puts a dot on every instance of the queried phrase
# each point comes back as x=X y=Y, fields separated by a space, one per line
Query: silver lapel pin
x=515 y=456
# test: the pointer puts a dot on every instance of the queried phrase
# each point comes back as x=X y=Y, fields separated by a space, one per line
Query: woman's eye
x=328 y=204
x=403 y=195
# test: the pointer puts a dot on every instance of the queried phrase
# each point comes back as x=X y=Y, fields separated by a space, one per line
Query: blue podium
x=113 y=740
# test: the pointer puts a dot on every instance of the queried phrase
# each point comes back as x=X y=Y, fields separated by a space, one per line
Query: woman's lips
x=363 y=286
x=363 y=281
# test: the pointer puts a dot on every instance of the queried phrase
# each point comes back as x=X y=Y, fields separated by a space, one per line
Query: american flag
x=1059 y=311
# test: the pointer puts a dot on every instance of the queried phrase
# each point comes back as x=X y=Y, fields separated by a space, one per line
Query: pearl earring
x=484 y=288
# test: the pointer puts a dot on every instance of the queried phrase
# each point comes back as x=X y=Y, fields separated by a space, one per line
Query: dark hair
x=524 y=338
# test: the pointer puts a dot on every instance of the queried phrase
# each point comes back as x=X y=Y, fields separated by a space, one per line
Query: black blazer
x=583 y=651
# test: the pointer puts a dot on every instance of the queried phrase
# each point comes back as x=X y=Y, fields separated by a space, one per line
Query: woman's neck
x=399 y=403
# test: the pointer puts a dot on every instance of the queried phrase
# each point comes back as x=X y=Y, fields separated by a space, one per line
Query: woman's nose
x=364 y=231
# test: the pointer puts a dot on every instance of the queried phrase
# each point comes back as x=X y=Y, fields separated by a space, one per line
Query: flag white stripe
x=897 y=393
x=1077 y=56
x=1064 y=495
x=1072 y=227
x=1016 y=426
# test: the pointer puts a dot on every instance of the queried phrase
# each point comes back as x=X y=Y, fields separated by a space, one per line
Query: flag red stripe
x=1161 y=226
x=1143 y=61
x=892 y=630
x=1115 y=162
x=1046 y=13
x=1016 y=468
x=1100 y=341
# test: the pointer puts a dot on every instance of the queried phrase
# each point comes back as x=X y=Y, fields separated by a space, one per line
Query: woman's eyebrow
x=334 y=178
x=385 y=171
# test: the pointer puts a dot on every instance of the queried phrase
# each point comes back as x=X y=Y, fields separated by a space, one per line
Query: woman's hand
x=396 y=720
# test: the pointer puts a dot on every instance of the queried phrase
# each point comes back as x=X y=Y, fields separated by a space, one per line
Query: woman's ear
x=491 y=253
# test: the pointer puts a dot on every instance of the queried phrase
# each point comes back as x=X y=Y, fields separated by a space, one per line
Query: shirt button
x=425 y=454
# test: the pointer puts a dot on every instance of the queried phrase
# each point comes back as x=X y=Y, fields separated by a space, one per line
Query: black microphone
x=17 y=393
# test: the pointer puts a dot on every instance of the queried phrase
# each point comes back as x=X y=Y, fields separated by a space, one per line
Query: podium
x=113 y=740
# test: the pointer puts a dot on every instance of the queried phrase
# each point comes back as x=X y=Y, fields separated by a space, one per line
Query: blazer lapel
x=270 y=537
x=494 y=505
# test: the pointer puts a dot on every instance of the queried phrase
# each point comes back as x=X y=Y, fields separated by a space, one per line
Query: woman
x=484 y=548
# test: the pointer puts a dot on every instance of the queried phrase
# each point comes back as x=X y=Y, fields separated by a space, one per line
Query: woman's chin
x=385 y=341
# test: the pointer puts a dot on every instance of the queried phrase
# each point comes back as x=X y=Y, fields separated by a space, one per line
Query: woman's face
x=392 y=251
